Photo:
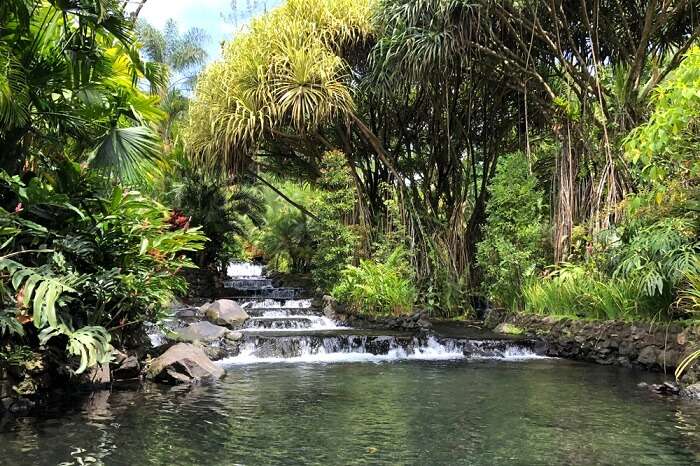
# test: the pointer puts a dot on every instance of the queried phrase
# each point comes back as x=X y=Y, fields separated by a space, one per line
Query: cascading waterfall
x=291 y=330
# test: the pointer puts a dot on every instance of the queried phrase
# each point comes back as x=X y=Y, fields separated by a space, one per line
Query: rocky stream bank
x=650 y=346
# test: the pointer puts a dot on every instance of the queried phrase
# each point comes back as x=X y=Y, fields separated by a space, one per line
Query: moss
x=510 y=329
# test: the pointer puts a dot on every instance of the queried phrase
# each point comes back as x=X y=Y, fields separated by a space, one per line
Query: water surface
x=541 y=411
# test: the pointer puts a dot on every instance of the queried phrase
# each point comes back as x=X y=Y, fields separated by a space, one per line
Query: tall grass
x=378 y=288
x=577 y=291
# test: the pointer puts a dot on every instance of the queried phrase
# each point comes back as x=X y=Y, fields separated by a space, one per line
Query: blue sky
x=205 y=14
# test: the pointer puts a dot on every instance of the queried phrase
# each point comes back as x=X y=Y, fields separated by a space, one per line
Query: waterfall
x=283 y=328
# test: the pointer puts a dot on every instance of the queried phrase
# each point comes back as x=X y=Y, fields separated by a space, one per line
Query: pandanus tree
x=424 y=96
x=68 y=86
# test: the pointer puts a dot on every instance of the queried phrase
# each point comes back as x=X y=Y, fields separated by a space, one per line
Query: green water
x=410 y=412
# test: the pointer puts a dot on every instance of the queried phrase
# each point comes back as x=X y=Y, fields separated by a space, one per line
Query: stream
x=304 y=389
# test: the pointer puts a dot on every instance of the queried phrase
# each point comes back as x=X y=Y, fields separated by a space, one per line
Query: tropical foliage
x=380 y=288
x=424 y=99
x=513 y=249
x=86 y=261
x=68 y=84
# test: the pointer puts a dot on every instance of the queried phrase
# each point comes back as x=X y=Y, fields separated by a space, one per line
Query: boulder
x=691 y=392
x=183 y=363
x=200 y=331
x=98 y=375
x=226 y=312
x=233 y=335
x=647 y=356
x=127 y=369
x=494 y=317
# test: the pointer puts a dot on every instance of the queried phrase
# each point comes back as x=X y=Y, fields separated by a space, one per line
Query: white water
x=244 y=270
x=278 y=304
x=431 y=351
x=316 y=322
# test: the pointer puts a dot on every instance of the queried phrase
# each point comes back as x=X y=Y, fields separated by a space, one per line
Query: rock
x=214 y=352
x=691 y=392
x=666 y=388
x=202 y=310
x=186 y=313
x=647 y=356
x=183 y=363
x=226 y=312
x=642 y=385
x=508 y=329
x=200 y=331
x=233 y=336
x=494 y=317
x=98 y=375
x=128 y=369
x=329 y=307
x=16 y=406
x=424 y=323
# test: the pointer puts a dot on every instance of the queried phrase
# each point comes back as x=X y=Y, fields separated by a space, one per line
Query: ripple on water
x=401 y=412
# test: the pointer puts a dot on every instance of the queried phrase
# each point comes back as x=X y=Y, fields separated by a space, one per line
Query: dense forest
x=442 y=155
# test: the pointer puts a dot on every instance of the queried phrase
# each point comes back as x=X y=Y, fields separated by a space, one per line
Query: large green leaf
x=131 y=153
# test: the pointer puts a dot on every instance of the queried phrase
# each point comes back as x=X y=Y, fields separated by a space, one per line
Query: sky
x=206 y=14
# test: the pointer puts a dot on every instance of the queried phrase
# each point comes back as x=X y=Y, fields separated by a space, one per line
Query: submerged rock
x=200 y=331
x=226 y=312
x=183 y=363
x=666 y=388
x=98 y=375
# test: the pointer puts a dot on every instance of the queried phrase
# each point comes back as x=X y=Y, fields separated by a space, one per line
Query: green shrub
x=512 y=248
x=85 y=260
x=583 y=291
x=336 y=242
x=378 y=287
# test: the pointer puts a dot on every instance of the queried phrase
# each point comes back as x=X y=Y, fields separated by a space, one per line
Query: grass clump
x=378 y=288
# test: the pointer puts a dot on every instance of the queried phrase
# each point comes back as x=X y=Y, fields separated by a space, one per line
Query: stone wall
x=203 y=282
x=653 y=346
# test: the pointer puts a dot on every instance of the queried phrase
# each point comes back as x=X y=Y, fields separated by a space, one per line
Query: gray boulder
x=200 y=331
x=183 y=363
x=691 y=392
x=226 y=312
x=233 y=336
x=648 y=355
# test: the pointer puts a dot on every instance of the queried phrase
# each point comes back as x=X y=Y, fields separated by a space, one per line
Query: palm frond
x=130 y=153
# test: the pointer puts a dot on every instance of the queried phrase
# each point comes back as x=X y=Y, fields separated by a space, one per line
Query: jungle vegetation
x=540 y=156
x=446 y=155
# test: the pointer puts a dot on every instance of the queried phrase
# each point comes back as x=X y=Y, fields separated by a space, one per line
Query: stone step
x=279 y=322
x=281 y=312
x=333 y=332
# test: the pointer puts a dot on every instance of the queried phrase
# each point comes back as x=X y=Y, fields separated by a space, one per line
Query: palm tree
x=283 y=79
x=67 y=87
x=183 y=54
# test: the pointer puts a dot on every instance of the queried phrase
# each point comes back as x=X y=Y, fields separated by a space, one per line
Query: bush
x=336 y=242
x=378 y=287
x=512 y=249
x=85 y=261
x=580 y=291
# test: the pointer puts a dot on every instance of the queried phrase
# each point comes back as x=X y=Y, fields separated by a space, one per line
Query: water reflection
x=445 y=412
